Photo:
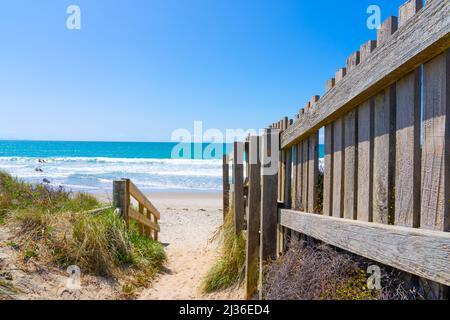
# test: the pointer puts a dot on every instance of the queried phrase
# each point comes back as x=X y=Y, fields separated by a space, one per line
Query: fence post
x=226 y=185
x=238 y=186
x=253 y=217
x=269 y=201
x=121 y=197
x=287 y=181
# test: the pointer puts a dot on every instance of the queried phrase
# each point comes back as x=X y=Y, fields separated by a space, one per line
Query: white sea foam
x=88 y=174
x=83 y=173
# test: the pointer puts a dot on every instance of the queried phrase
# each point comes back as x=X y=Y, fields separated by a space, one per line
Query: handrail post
x=121 y=197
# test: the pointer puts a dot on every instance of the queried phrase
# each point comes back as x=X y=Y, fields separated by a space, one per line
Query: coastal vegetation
x=311 y=270
x=228 y=271
x=57 y=227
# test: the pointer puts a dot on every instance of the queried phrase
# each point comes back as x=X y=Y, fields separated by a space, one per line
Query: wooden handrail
x=141 y=198
x=123 y=190
x=142 y=219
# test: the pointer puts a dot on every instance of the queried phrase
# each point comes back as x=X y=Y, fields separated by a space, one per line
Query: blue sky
x=139 y=69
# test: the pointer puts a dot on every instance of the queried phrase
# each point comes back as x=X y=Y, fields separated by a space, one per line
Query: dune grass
x=229 y=269
x=52 y=226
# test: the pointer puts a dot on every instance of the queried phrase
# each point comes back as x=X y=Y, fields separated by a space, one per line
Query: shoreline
x=175 y=200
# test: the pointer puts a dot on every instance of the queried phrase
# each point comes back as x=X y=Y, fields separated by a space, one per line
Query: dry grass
x=229 y=269
x=316 y=271
x=52 y=226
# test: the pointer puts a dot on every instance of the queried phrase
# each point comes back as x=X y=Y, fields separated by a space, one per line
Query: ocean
x=93 y=166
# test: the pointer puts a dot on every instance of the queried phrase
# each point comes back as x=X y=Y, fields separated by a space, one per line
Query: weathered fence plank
x=435 y=205
x=295 y=167
x=338 y=168
x=402 y=54
x=408 y=10
x=422 y=252
x=313 y=172
x=384 y=155
x=299 y=180
x=328 y=172
x=350 y=165
x=388 y=28
x=407 y=158
x=238 y=186
x=253 y=218
x=365 y=161
x=305 y=158
x=269 y=203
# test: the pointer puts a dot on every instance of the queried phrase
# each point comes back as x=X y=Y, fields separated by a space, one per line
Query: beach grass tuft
x=228 y=271
x=54 y=226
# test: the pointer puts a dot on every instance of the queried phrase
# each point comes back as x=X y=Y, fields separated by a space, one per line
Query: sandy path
x=188 y=222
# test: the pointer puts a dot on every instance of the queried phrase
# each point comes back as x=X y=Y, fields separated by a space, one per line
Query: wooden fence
x=386 y=172
x=146 y=215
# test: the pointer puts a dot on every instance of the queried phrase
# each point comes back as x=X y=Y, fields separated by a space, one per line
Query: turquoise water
x=92 y=166
x=130 y=150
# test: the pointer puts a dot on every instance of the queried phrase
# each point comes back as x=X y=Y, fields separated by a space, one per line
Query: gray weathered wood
x=269 y=204
x=299 y=179
x=253 y=218
x=287 y=178
x=422 y=252
x=353 y=61
x=340 y=74
x=313 y=172
x=435 y=204
x=238 y=186
x=305 y=172
x=407 y=158
x=384 y=156
x=330 y=84
x=226 y=185
x=350 y=165
x=121 y=197
x=408 y=10
x=365 y=161
x=294 y=176
x=314 y=100
x=328 y=172
x=338 y=168
x=388 y=28
x=366 y=50
x=423 y=37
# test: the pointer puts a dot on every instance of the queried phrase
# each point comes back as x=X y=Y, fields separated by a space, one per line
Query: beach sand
x=188 y=224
